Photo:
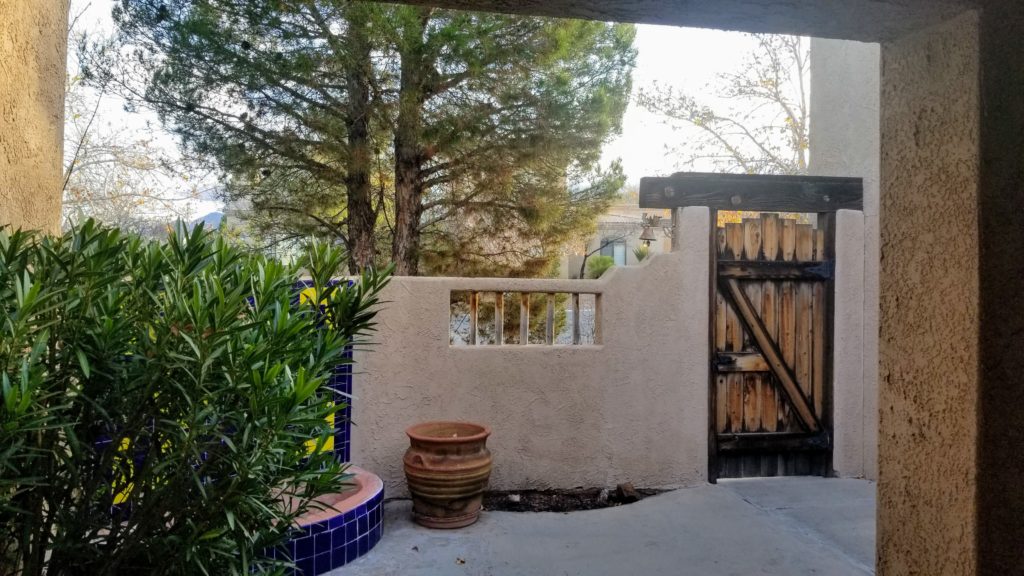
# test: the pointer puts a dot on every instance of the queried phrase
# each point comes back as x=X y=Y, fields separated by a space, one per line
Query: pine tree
x=467 y=141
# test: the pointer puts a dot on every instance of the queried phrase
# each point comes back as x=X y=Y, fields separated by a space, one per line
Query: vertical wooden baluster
x=524 y=318
x=576 y=318
x=474 y=309
x=499 y=318
x=549 y=322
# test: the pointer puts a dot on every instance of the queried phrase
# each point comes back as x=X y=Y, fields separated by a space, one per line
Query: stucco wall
x=844 y=138
x=848 y=410
x=634 y=408
x=929 y=304
x=32 y=61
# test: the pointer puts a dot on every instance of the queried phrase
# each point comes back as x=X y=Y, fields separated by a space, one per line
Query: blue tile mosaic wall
x=335 y=542
x=341 y=383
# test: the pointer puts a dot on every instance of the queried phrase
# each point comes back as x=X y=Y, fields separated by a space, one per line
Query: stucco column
x=33 y=47
x=844 y=142
x=848 y=452
x=952 y=317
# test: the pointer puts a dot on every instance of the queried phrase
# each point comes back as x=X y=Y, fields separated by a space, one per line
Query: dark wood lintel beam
x=759 y=192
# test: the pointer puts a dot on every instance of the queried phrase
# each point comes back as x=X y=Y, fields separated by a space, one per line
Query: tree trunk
x=362 y=219
x=408 y=146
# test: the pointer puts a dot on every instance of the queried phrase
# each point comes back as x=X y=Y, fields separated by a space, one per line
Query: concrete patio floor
x=785 y=526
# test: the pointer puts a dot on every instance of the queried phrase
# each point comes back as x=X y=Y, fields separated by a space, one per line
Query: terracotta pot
x=447 y=467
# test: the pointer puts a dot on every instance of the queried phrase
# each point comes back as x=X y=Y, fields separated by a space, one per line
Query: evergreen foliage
x=463 y=142
x=159 y=400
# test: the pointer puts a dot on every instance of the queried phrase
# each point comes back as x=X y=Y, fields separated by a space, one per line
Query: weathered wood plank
x=787 y=323
x=804 y=243
x=721 y=322
x=733 y=330
x=722 y=403
x=788 y=239
x=735 y=396
x=787 y=344
x=753 y=291
x=733 y=241
x=769 y=193
x=818 y=348
x=804 y=304
x=770 y=233
x=752 y=252
x=771 y=353
x=769 y=403
x=751 y=403
x=734 y=251
x=744 y=270
x=751 y=238
x=741 y=362
x=770 y=315
x=804 y=340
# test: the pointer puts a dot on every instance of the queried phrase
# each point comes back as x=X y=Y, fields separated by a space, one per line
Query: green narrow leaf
x=83 y=361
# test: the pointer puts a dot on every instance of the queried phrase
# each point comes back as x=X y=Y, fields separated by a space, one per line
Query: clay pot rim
x=413 y=432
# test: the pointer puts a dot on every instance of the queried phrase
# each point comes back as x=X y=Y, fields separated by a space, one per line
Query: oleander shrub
x=158 y=399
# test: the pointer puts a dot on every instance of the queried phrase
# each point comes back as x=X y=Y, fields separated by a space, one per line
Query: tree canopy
x=460 y=141
x=764 y=128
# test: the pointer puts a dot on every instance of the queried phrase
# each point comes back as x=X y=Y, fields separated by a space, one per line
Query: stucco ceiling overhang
x=864 y=20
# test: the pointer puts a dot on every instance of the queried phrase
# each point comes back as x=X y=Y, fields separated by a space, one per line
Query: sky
x=685 y=58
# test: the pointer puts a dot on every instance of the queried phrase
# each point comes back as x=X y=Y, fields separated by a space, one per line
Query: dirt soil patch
x=563 y=500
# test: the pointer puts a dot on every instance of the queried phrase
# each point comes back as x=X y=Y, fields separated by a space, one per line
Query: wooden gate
x=771 y=317
x=771 y=349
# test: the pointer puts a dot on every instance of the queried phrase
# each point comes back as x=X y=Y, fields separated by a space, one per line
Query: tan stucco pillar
x=844 y=142
x=952 y=317
x=33 y=47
